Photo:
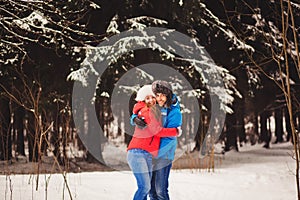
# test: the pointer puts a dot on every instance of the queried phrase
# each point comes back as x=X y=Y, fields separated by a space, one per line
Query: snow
x=138 y=20
x=113 y=26
x=253 y=173
x=31 y=20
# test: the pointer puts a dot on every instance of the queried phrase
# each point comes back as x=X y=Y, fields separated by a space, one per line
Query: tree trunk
x=19 y=115
x=288 y=125
x=240 y=123
x=32 y=139
x=256 y=125
x=231 y=133
x=200 y=134
x=265 y=134
x=5 y=134
x=278 y=125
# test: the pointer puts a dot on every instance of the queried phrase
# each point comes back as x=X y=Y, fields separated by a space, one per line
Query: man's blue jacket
x=171 y=118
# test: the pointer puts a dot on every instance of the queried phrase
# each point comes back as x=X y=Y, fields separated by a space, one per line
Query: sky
x=252 y=173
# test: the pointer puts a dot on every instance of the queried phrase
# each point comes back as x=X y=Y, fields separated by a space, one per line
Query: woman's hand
x=179 y=131
x=139 y=122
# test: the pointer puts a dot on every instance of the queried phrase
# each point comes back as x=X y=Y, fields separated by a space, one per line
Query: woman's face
x=161 y=99
x=150 y=100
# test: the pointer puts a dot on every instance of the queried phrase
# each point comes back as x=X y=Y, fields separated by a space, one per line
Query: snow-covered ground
x=253 y=173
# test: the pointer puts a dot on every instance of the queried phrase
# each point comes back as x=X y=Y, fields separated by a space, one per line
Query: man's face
x=161 y=99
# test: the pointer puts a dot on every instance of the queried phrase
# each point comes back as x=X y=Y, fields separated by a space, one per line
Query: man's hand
x=140 y=123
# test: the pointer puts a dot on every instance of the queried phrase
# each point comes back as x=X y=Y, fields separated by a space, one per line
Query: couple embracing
x=151 y=151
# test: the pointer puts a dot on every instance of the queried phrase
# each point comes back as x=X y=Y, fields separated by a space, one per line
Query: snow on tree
x=49 y=24
x=143 y=39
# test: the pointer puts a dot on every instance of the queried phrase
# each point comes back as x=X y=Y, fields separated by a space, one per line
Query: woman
x=171 y=118
x=145 y=141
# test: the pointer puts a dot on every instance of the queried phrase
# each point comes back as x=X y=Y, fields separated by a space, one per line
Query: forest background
x=49 y=46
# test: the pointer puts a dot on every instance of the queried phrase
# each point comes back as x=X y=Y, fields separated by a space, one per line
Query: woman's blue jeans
x=140 y=162
x=160 y=179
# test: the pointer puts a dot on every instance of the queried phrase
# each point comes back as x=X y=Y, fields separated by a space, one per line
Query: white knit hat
x=143 y=92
